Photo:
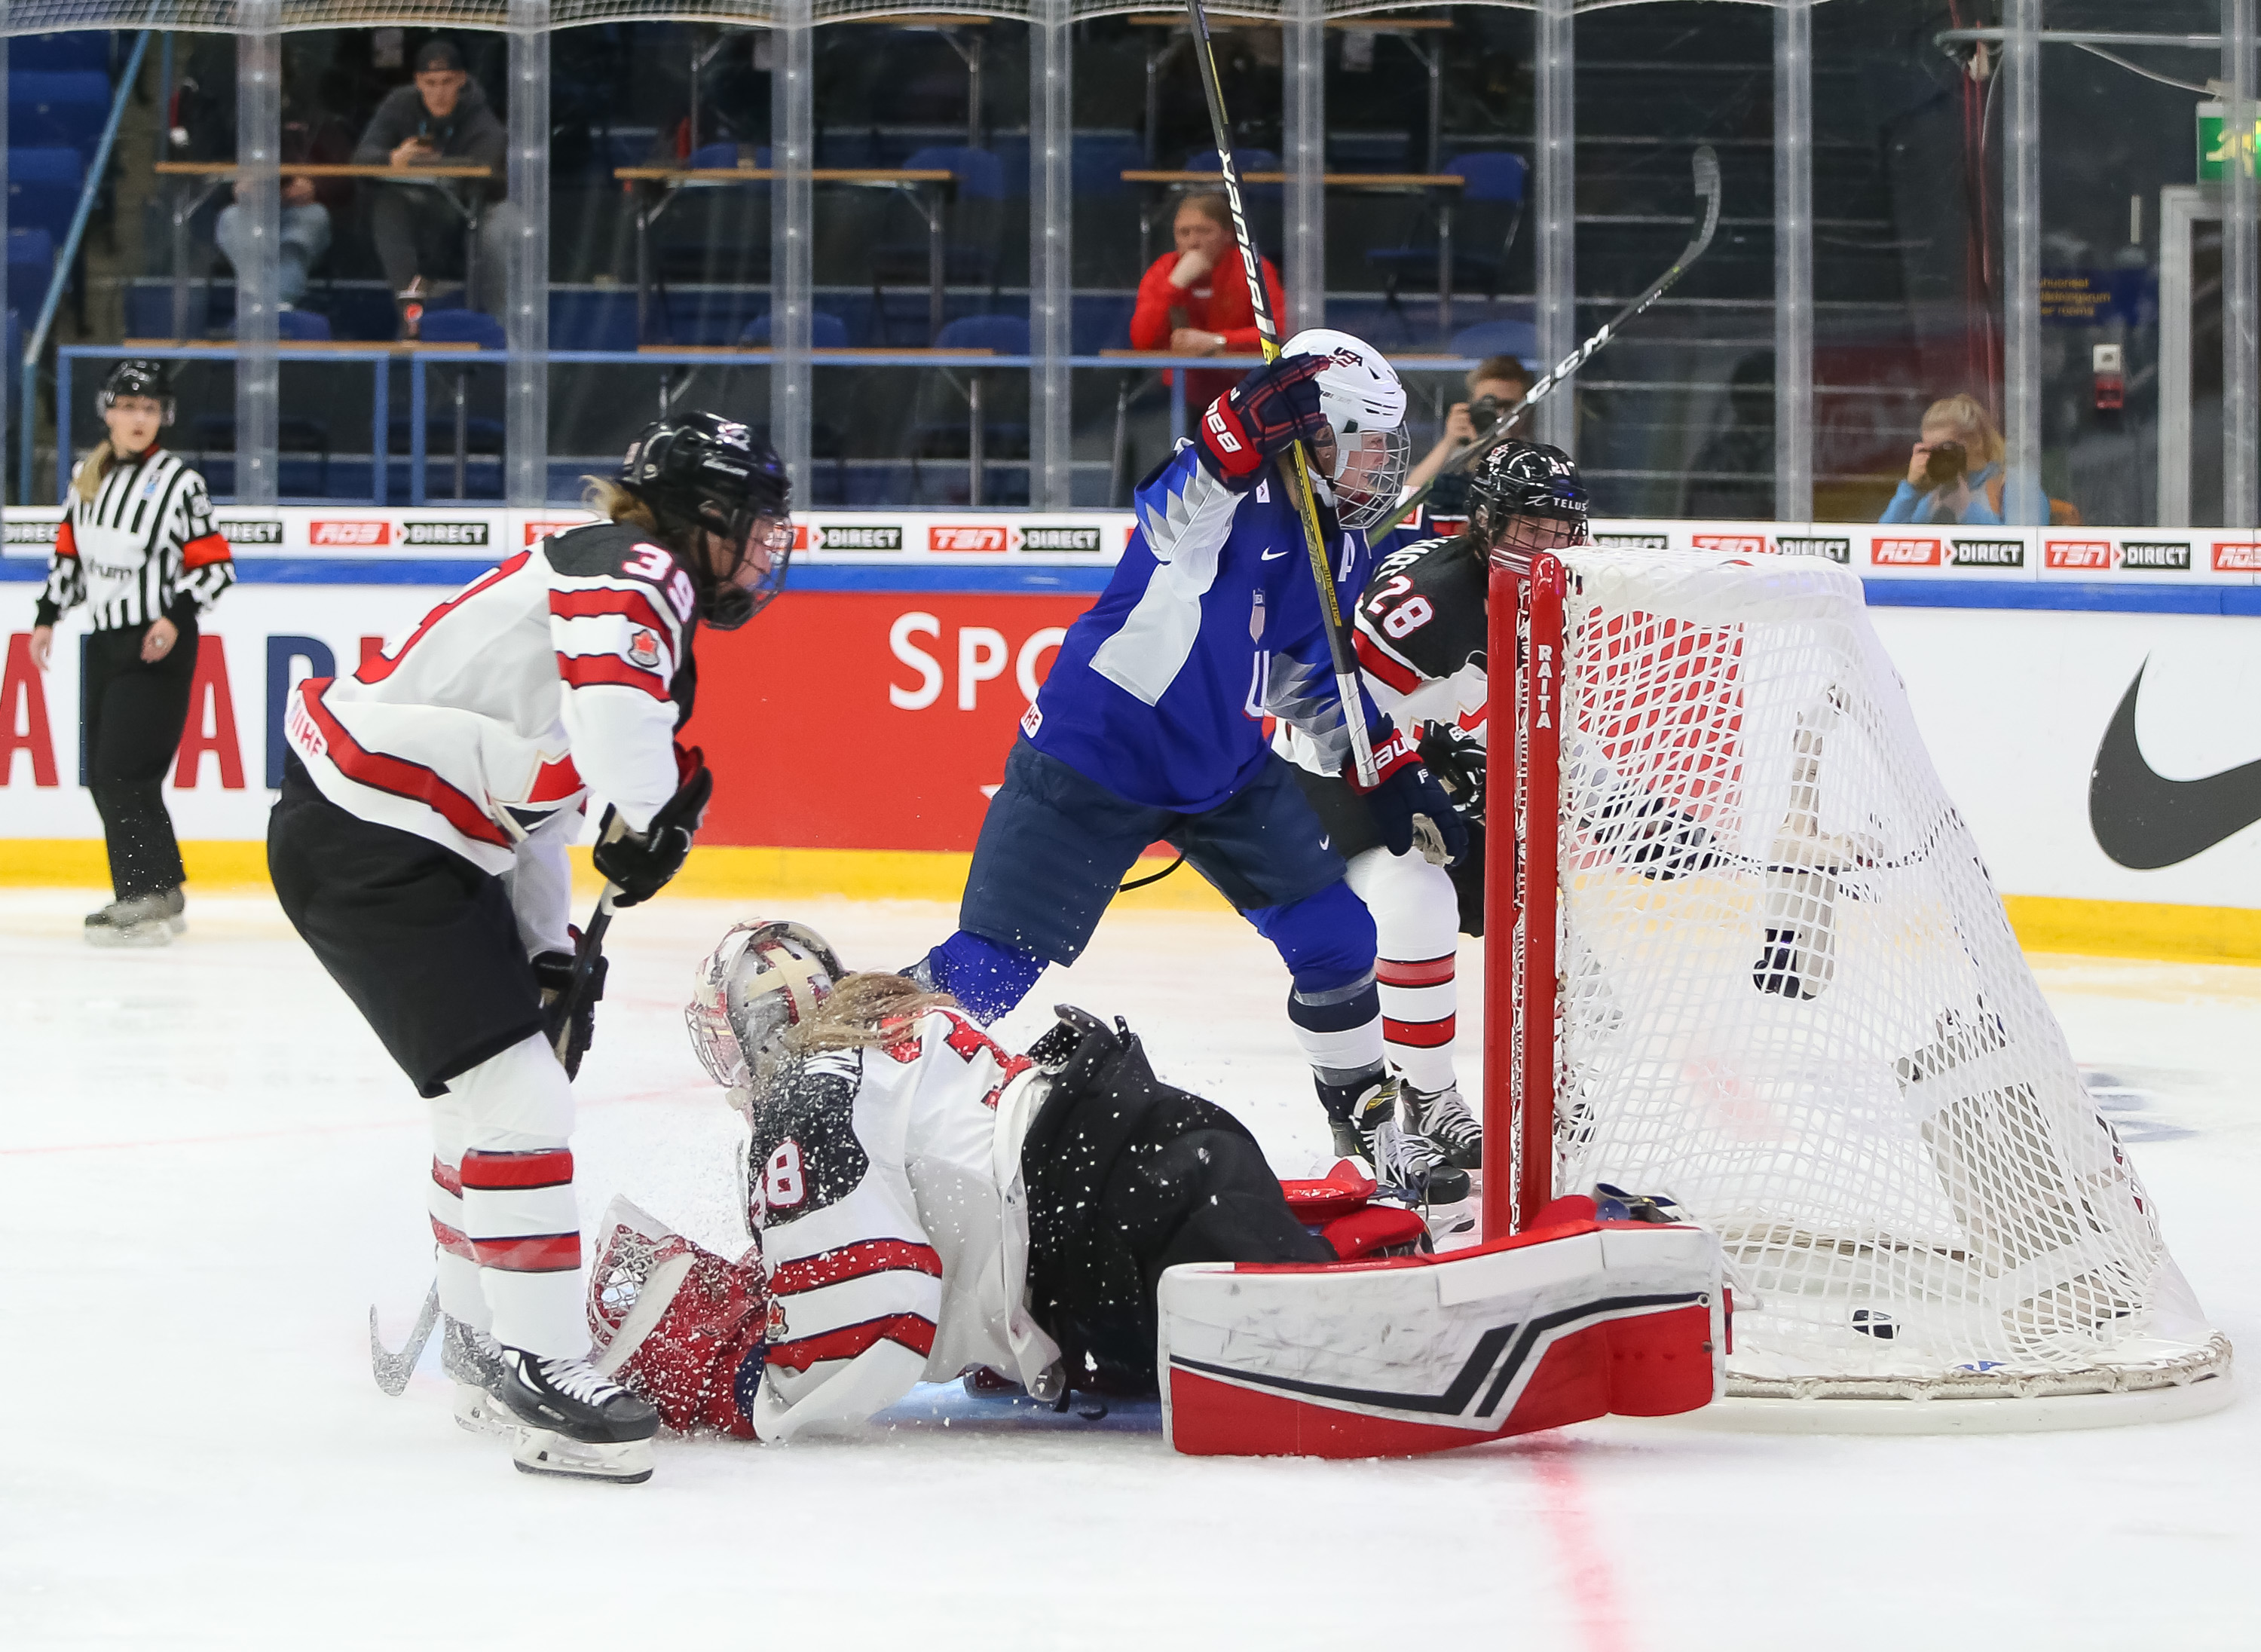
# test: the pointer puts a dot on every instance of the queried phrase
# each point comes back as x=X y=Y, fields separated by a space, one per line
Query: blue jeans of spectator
x=305 y=238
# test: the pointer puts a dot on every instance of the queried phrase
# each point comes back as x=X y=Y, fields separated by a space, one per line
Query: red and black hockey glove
x=641 y=863
x=1411 y=809
x=1276 y=405
x=553 y=972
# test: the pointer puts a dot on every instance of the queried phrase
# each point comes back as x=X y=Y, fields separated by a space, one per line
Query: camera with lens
x=1484 y=413
x=1946 y=464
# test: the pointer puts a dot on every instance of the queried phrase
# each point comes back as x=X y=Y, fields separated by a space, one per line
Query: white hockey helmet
x=1363 y=398
x=764 y=977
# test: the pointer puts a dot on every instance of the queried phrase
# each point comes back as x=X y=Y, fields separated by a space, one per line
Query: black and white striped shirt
x=142 y=547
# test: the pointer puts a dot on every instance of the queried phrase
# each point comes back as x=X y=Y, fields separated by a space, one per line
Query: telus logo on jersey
x=348 y=533
x=1075 y=539
x=1904 y=553
x=959 y=537
x=250 y=533
x=1988 y=553
x=1827 y=547
x=443 y=533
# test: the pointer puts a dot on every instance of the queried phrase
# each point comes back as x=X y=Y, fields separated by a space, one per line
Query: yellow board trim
x=2044 y=923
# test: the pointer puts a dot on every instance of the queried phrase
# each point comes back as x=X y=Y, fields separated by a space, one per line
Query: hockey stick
x=1707 y=187
x=1307 y=504
x=391 y=1370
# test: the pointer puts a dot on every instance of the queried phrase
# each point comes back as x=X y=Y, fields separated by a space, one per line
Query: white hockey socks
x=513 y=1113
x=1417 y=921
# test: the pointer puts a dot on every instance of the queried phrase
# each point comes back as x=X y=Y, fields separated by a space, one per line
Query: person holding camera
x=1494 y=385
x=1954 y=471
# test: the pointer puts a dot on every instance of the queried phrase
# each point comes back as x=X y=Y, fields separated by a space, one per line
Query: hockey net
x=1744 y=952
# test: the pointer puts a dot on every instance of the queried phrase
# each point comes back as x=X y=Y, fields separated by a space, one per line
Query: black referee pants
x=134 y=712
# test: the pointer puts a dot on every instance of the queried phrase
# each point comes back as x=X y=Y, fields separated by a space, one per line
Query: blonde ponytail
x=86 y=481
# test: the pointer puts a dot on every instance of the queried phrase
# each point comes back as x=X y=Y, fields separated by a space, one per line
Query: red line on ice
x=1586 y=1575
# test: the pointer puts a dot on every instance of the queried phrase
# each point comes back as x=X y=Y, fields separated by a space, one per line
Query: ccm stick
x=393 y=1370
x=1307 y=505
x=1707 y=187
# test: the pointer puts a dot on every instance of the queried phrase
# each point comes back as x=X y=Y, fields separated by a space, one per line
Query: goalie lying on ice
x=926 y=1203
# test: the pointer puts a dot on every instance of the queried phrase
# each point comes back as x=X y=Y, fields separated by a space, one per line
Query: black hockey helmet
x=704 y=471
x=137 y=377
x=1525 y=497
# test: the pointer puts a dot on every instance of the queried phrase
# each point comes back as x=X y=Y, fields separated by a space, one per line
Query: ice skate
x=1355 y=1123
x=176 y=910
x=1407 y=1163
x=1445 y=1119
x=572 y=1420
x=472 y=1360
x=139 y=922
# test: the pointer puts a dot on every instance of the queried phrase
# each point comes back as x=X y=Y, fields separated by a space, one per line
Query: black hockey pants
x=1126 y=1177
x=134 y=712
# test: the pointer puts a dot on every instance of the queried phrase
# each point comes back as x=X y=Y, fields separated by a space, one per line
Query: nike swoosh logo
x=2144 y=821
x=1275 y=556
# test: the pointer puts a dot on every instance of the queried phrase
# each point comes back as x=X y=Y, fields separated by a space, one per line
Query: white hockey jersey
x=563 y=672
x=885 y=1185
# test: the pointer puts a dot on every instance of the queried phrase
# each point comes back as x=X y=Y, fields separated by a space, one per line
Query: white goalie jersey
x=886 y=1186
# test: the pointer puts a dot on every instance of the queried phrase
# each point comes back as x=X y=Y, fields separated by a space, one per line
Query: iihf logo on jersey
x=644 y=650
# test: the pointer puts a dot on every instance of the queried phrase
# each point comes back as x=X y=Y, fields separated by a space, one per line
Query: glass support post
x=1557 y=420
x=9 y=370
x=1304 y=66
x=1793 y=262
x=2240 y=369
x=792 y=219
x=2022 y=498
x=259 y=196
x=526 y=265
x=1051 y=291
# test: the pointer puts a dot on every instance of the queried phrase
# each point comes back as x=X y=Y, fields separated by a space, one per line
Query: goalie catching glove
x=1410 y=810
x=640 y=863
x=1274 y=406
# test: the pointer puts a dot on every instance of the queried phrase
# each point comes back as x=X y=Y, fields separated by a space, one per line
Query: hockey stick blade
x=1707 y=171
x=393 y=1370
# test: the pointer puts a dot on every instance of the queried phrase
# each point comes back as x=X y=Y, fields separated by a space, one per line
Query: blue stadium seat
x=1098 y=160
x=62 y=107
x=82 y=48
x=1246 y=160
x=1519 y=339
x=43 y=188
x=942 y=417
x=723 y=155
x=970 y=234
x=31 y=266
x=464 y=326
x=302 y=326
x=1006 y=335
x=1488 y=212
x=825 y=332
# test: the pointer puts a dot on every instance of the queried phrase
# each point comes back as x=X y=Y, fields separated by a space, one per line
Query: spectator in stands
x=1500 y=380
x=1194 y=301
x=1732 y=477
x=309 y=204
x=1954 y=469
x=443 y=117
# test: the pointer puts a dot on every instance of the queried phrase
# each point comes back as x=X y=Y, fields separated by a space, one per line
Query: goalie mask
x=1526 y=498
x=1363 y=398
x=704 y=471
x=764 y=978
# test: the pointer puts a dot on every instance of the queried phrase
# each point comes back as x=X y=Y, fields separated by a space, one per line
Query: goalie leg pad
x=677 y=1323
x=1424 y=1354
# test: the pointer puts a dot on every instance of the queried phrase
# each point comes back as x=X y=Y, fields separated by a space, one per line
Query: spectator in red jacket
x=1194 y=301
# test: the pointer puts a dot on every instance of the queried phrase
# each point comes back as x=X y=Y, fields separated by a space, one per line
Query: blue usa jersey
x=1210 y=623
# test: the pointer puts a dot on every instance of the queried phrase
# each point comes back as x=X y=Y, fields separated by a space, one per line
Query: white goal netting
x=1790 y=999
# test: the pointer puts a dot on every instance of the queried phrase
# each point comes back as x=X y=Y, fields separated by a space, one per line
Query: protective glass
x=1368 y=475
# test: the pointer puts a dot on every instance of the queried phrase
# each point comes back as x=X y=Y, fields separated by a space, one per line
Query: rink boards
x=865 y=717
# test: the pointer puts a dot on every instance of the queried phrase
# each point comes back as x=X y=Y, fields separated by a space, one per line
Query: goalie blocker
x=1572 y=1319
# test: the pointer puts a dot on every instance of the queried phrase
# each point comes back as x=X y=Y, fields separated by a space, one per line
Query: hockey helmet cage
x=137 y=377
x=704 y=471
x=764 y=977
x=1525 y=497
x=1363 y=400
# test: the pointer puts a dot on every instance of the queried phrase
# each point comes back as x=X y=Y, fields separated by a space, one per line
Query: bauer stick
x=1707 y=187
x=1307 y=504
x=390 y=1369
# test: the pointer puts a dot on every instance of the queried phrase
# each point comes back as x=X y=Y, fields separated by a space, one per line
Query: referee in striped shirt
x=136 y=546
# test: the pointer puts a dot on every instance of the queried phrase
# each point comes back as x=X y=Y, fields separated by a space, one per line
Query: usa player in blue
x=1152 y=726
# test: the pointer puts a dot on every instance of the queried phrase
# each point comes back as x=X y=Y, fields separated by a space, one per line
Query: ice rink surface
x=209 y=1170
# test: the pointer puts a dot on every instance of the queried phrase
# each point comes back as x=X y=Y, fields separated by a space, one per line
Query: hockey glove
x=1456 y=758
x=1411 y=809
x=1276 y=405
x=553 y=972
x=641 y=863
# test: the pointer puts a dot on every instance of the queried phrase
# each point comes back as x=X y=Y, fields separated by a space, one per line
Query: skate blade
x=544 y=1451
x=476 y=1412
x=152 y=934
